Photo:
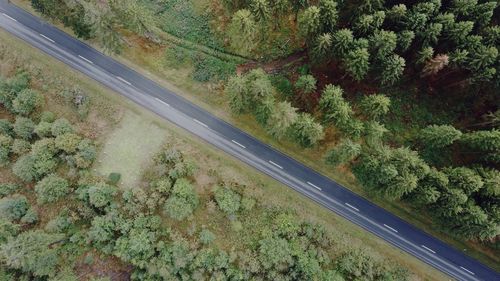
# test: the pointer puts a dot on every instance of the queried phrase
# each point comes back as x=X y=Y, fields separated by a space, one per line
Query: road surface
x=244 y=147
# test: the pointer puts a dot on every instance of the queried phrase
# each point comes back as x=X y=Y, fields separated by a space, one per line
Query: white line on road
x=239 y=144
x=85 y=59
x=467 y=270
x=352 y=207
x=47 y=38
x=313 y=185
x=275 y=164
x=159 y=100
x=428 y=249
x=390 y=228
x=123 y=80
x=201 y=123
x=9 y=17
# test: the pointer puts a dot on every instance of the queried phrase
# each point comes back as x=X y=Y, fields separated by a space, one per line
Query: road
x=244 y=147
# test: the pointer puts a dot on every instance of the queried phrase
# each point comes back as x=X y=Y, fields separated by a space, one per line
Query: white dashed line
x=390 y=228
x=47 y=38
x=313 y=185
x=9 y=17
x=123 y=80
x=467 y=270
x=85 y=59
x=160 y=101
x=239 y=144
x=428 y=249
x=201 y=123
x=352 y=207
x=275 y=164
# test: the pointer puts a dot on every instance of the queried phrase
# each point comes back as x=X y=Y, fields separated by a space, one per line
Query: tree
x=328 y=14
x=483 y=141
x=305 y=131
x=32 y=252
x=242 y=30
x=275 y=254
x=322 y=47
x=137 y=247
x=439 y=136
x=61 y=126
x=357 y=64
x=260 y=9
x=392 y=69
x=405 y=38
x=281 y=119
x=344 y=152
x=237 y=92
x=20 y=146
x=8 y=188
x=228 y=200
x=24 y=127
x=310 y=22
x=434 y=65
x=182 y=201
x=429 y=188
x=5 y=127
x=5 y=149
x=335 y=109
x=392 y=173
x=43 y=129
x=51 y=188
x=13 y=207
x=465 y=179
x=375 y=106
x=25 y=102
x=264 y=110
x=342 y=42
x=306 y=84
x=86 y=154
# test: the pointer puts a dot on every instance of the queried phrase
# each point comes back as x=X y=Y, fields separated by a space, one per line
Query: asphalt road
x=244 y=147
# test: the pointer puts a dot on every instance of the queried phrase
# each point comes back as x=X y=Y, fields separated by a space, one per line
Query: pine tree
x=439 y=136
x=344 y=152
x=375 y=106
x=393 y=68
x=357 y=64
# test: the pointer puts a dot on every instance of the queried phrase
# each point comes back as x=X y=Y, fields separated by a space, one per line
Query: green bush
x=227 y=199
x=86 y=154
x=206 y=236
x=24 y=127
x=43 y=129
x=68 y=142
x=25 y=102
x=8 y=188
x=61 y=126
x=183 y=200
x=30 y=217
x=101 y=195
x=13 y=207
x=24 y=168
x=20 y=146
x=51 y=188
x=6 y=127
x=47 y=116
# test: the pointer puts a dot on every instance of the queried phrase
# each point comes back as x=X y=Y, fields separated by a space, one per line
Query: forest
x=403 y=95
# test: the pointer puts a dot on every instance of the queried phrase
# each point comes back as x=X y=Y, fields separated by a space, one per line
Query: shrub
x=227 y=199
x=26 y=101
x=206 y=236
x=24 y=168
x=30 y=217
x=47 y=117
x=43 y=129
x=13 y=207
x=51 y=188
x=24 y=127
x=20 y=146
x=7 y=230
x=68 y=142
x=183 y=200
x=86 y=154
x=61 y=126
x=114 y=178
x=101 y=195
x=5 y=127
x=8 y=188
x=58 y=224
x=163 y=185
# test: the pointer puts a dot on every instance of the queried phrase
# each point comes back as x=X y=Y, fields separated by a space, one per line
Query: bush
x=101 y=195
x=5 y=127
x=61 y=126
x=114 y=178
x=24 y=127
x=20 y=146
x=58 y=224
x=163 y=185
x=86 y=154
x=206 y=236
x=51 y=188
x=47 y=117
x=8 y=188
x=183 y=200
x=227 y=199
x=7 y=230
x=26 y=101
x=13 y=207
x=30 y=217
x=24 y=168
x=43 y=129
x=68 y=142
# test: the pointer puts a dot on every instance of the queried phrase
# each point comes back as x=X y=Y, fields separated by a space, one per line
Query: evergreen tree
x=357 y=64
x=343 y=153
x=305 y=131
x=375 y=106
x=281 y=119
x=439 y=136
x=392 y=69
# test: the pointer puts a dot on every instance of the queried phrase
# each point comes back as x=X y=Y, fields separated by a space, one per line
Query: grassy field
x=151 y=60
x=208 y=158
x=129 y=148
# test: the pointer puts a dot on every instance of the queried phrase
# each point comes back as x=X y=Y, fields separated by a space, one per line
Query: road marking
x=275 y=164
x=9 y=17
x=159 y=100
x=390 y=228
x=352 y=207
x=238 y=143
x=123 y=80
x=85 y=59
x=467 y=270
x=47 y=38
x=428 y=249
x=201 y=123
x=313 y=185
